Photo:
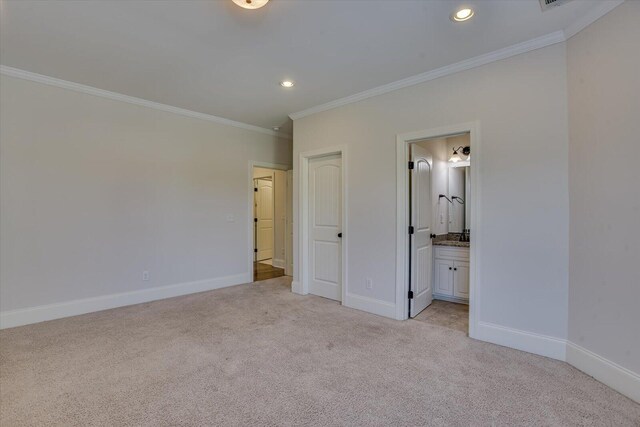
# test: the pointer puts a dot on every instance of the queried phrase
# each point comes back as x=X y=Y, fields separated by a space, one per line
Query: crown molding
x=467 y=64
x=52 y=81
x=594 y=14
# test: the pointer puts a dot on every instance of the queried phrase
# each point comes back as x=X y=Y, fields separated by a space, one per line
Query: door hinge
x=411 y=165
x=410 y=294
x=255 y=219
x=432 y=236
x=255 y=250
x=255 y=189
x=411 y=230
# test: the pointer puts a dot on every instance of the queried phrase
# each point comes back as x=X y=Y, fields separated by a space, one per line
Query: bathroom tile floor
x=448 y=314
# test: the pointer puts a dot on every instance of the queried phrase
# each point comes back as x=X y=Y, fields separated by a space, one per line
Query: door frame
x=250 y=201
x=301 y=261
x=402 y=219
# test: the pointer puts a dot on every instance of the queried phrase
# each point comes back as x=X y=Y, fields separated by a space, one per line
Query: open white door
x=325 y=227
x=288 y=269
x=421 y=248
x=264 y=219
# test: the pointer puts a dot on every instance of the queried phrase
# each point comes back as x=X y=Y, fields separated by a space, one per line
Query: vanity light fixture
x=463 y=14
x=287 y=83
x=455 y=157
x=251 y=4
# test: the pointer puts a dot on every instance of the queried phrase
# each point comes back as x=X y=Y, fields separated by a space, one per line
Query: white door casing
x=421 y=221
x=264 y=215
x=325 y=226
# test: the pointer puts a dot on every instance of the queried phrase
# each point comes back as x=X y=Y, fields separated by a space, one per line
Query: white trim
x=403 y=220
x=296 y=288
x=536 y=43
x=278 y=263
x=467 y=64
x=531 y=342
x=615 y=376
x=25 y=316
x=52 y=81
x=301 y=263
x=251 y=244
x=594 y=14
x=370 y=305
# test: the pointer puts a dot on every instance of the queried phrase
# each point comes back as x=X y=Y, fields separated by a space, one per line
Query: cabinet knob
x=455 y=269
x=449 y=268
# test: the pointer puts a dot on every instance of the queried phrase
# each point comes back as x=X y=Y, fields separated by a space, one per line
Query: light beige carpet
x=260 y=355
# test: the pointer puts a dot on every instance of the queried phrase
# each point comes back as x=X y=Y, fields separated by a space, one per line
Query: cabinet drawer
x=446 y=252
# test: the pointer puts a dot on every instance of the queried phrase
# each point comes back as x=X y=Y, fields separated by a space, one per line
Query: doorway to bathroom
x=437 y=277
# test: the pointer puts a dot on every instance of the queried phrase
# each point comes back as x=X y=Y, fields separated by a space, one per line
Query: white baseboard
x=371 y=305
x=615 y=376
x=531 y=342
x=278 y=263
x=26 y=316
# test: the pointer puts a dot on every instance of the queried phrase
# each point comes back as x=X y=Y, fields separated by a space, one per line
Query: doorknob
x=340 y=235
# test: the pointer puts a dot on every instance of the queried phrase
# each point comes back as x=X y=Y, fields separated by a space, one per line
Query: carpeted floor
x=259 y=355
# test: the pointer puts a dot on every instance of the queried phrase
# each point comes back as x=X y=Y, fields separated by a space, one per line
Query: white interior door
x=421 y=219
x=264 y=216
x=288 y=269
x=325 y=227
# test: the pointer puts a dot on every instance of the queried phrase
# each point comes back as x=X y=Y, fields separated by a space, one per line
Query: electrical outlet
x=145 y=275
x=369 y=283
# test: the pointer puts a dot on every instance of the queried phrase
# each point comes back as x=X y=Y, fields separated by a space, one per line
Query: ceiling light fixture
x=276 y=128
x=462 y=14
x=287 y=83
x=251 y=4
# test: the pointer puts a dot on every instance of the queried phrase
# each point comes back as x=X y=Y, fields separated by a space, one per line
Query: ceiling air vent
x=548 y=4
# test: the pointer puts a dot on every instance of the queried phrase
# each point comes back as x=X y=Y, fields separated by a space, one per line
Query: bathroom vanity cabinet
x=451 y=274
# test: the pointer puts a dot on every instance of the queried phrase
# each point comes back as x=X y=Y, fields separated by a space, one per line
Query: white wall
x=604 y=178
x=94 y=191
x=521 y=106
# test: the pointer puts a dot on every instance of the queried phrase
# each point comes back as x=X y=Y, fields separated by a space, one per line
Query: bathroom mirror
x=459 y=192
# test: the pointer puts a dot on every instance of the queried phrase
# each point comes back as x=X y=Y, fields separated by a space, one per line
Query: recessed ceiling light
x=251 y=4
x=462 y=14
x=287 y=83
x=276 y=128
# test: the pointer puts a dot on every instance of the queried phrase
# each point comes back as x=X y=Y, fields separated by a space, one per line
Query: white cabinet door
x=325 y=226
x=421 y=247
x=461 y=279
x=444 y=277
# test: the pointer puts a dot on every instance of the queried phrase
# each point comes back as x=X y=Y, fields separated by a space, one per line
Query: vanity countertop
x=454 y=243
